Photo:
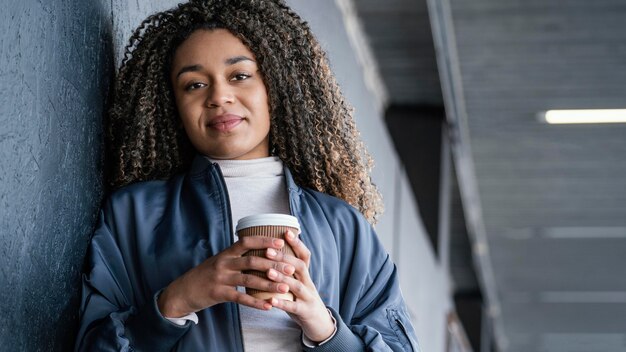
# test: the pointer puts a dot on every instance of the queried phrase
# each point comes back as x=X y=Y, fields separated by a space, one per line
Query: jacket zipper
x=401 y=325
x=229 y=224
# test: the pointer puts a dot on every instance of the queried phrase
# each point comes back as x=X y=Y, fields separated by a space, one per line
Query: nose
x=219 y=94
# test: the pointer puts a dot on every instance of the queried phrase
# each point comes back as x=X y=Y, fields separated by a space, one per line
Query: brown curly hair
x=312 y=128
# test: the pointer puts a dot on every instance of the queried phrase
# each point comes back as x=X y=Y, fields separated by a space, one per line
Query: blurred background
x=509 y=232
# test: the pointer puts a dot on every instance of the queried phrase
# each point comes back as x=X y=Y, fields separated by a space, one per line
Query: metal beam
x=454 y=102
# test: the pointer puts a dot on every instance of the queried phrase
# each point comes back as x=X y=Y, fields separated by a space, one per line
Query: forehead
x=208 y=46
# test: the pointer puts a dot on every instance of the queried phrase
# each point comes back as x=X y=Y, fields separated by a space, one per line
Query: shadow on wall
x=56 y=64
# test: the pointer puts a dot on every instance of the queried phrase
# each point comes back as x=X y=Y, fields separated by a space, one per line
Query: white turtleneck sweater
x=255 y=186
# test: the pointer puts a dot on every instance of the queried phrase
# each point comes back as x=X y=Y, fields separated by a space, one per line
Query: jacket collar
x=201 y=164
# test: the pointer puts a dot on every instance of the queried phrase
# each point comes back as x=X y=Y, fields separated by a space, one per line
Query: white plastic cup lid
x=268 y=220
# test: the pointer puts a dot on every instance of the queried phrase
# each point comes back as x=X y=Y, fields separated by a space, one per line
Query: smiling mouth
x=225 y=123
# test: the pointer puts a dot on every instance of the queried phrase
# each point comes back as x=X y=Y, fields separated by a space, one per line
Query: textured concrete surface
x=54 y=67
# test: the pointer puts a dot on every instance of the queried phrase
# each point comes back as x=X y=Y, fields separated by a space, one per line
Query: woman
x=223 y=109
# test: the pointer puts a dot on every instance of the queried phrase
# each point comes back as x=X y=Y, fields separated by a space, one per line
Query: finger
x=292 y=307
x=261 y=264
x=276 y=276
x=299 y=249
x=301 y=268
x=299 y=289
x=259 y=283
x=255 y=242
x=247 y=300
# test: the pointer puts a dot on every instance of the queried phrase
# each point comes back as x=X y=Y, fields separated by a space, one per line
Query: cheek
x=187 y=112
x=184 y=117
x=261 y=102
x=189 y=124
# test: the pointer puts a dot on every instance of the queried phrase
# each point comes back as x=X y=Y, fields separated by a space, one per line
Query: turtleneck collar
x=261 y=167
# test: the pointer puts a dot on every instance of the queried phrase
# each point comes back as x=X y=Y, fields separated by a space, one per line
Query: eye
x=240 y=76
x=194 y=85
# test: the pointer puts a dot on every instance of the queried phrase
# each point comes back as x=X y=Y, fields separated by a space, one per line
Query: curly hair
x=312 y=128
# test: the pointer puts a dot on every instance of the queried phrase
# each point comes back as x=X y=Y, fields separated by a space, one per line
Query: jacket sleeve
x=112 y=318
x=372 y=315
x=381 y=319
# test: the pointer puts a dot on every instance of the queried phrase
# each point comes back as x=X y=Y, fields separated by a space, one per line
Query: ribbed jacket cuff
x=149 y=330
x=344 y=339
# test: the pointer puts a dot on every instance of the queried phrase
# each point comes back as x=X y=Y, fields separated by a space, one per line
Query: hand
x=308 y=309
x=216 y=279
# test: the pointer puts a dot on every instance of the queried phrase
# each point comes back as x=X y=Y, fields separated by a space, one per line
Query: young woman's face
x=221 y=97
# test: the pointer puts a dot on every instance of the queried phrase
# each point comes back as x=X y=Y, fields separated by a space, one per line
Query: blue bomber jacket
x=150 y=233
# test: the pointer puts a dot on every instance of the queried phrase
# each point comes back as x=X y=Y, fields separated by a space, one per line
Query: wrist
x=325 y=331
x=170 y=306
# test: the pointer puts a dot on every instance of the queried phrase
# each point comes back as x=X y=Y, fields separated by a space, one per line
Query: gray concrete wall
x=54 y=69
x=55 y=64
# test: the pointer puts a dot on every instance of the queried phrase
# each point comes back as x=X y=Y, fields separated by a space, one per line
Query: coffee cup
x=267 y=225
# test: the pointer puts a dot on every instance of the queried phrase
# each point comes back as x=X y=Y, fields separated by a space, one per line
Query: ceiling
x=552 y=198
x=399 y=34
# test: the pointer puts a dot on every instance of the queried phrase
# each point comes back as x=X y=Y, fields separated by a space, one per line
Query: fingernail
x=283 y=288
x=272 y=273
x=271 y=252
x=289 y=269
x=267 y=306
x=290 y=235
x=279 y=242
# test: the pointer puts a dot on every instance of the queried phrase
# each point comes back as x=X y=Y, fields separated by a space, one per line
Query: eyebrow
x=190 y=68
x=236 y=59
x=228 y=62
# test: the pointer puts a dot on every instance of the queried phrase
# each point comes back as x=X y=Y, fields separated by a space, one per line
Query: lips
x=225 y=122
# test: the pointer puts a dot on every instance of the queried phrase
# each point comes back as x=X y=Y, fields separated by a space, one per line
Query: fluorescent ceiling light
x=584 y=116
